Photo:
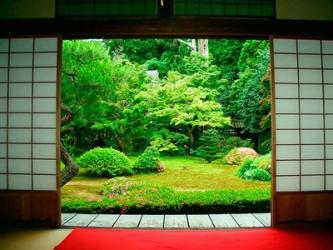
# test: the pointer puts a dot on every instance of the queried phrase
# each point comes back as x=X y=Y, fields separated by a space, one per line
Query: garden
x=165 y=126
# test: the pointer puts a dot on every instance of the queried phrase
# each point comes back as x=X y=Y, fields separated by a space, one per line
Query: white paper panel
x=312 y=137
x=287 y=121
x=44 y=135
x=45 y=90
x=43 y=151
x=312 y=122
x=20 y=89
x=45 y=182
x=3 y=120
x=21 y=45
x=21 y=60
x=312 y=152
x=20 y=105
x=46 y=44
x=45 y=74
x=329 y=121
x=20 y=182
x=3 y=135
x=19 y=120
x=310 y=76
x=327 y=47
x=328 y=76
x=311 y=91
x=309 y=46
x=313 y=167
x=19 y=151
x=3 y=90
x=4 y=45
x=3 y=165
x=287 y=137
x=44 y=167
x=329 y=182
x=3 y=60
x=329 y=136
x=329 y=151
x=312 y=183
x=329 y=166
x=44 y=120
x=19 y=135
x=3 y=181
x=284 y=45
x=45 y=59
x=3 y=75
x=20 y=166
x=286 y=91
x=311 y=106
x=286 y=152
x=44 y=105
x=285 y=60
x=328 y=89
x=287 y=183
x=20 y=75
x=328 y=106
x=287 y=168
x=309 y=61
x=3 y=150
x=286 y=75
x=328 y=61
x=286 y=106
x=3 y=105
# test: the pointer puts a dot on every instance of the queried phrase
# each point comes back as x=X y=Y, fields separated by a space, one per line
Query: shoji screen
x=28 y=113
x=303 y=124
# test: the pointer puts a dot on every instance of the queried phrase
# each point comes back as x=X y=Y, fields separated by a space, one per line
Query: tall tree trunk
x=203 y=47
x=71 y=169
x=190 y=136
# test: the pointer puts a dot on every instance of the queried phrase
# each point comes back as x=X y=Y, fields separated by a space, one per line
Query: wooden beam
x=168 y=27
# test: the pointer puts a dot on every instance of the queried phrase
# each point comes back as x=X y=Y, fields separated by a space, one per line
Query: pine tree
x=209 y=145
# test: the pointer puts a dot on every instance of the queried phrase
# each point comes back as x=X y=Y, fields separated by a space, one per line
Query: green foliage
x=230 y=142
x=265 y=146
x=209 y=145
x=168 y=142
x=238 y=156
x=255 y=169
x=124 y=196
x=148 y=161
x=105 y=162
x=264 y=162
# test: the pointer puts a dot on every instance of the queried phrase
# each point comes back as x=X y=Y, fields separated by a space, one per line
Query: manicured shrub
x=105 y=162
x=230 y=142
x=209 y=145
x=250 y=170
x=238 y=156
x=149 y=161
x=264 y=162
x=265 y=147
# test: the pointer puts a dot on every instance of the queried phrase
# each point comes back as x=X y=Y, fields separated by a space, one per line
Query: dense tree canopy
x=114 y=102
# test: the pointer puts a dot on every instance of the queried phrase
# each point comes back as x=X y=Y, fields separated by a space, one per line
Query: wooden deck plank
x=247 y=220
x=104 y=220
x=152 y=221
x=66 y=217
x=223 y=221
x=80 y=220
x=264 y=218
x=128 y=221
x=175 y=221
x=199 y=221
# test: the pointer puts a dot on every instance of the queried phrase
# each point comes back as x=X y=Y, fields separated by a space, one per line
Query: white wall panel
x=313 y=183
x=284 y=46
x=287 y=168
x=328 y=76
x=286 y=106
x=287 y=183
x=312 y=136
x=311 y=122
x=309 y=61
x=286 y=152
x=285 y=60
x=328 y=61
x=286 y=76
x=311 y=91
x=286 y=91
x=287 y=121
x=329 y=182
x=309 y=46
x=313 y=167
x=287 y=137
x=310 y=76
x=28 y=92
x=327 y=47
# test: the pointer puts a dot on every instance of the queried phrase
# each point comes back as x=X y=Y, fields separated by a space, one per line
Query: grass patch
x=189 y=185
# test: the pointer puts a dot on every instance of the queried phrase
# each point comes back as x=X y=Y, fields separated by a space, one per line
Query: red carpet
x=248 y=239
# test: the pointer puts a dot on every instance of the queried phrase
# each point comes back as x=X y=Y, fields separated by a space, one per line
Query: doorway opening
x=166 y=126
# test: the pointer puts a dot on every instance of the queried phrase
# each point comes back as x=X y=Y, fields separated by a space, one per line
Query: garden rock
x=238 y=156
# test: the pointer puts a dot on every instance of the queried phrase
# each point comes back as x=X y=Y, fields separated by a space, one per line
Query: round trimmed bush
x=105 y=162
x=238 y=156
x=149 y=161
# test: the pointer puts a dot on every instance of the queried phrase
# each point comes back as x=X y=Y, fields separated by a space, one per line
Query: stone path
x=168 y=221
